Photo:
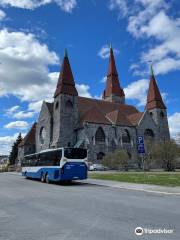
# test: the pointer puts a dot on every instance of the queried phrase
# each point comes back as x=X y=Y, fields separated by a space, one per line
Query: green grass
x=157 y=178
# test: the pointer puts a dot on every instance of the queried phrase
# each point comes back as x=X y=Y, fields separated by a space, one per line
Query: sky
x=35 y=33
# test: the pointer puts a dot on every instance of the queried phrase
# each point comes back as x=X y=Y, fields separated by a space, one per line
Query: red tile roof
x=66 y=84
x=94 y=115
x=100 y=111
x=154 y=99
x=112 y=83
x=30 y=136
x=135 y=117
x=118 y=118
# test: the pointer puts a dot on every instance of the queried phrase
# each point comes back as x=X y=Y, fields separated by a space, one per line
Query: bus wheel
x=47 y=178
x=42 y=178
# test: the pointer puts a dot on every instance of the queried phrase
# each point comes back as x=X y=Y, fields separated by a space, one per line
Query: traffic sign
x=140 y=144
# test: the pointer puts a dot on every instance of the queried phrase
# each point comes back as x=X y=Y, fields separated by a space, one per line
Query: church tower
x=156 y=108
x=65 y=112
x=113 y=91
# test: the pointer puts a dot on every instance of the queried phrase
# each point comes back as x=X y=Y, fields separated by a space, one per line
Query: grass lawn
x=157 y=178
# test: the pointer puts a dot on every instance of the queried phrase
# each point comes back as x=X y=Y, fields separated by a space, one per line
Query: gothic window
x=151 y=114
x=100 y=136
x=57 y=105
x=148 y=134
x=125 y=136
x=42 y=135
x=100 y=155
x=68 y=106
x=161 y=114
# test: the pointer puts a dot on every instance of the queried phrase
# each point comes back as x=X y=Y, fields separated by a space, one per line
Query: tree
x=14 y=152
x=166 y=153
x=116 y=160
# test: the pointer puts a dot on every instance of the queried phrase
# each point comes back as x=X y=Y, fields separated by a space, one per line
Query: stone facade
x=101 y=126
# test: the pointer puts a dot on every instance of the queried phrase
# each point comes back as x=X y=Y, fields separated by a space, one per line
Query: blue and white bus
x=60 y=164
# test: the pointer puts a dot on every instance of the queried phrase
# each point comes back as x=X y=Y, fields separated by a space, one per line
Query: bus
x=60 y=164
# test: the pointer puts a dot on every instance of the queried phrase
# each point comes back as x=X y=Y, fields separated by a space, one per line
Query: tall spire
x=66 y=84
x=154 y=99
x=113 y=89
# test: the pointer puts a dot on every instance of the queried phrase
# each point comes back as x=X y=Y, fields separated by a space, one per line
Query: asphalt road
x=30 y=210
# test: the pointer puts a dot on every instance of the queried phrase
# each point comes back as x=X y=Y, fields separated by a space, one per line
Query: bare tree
x=117 y=160
x=166 y=153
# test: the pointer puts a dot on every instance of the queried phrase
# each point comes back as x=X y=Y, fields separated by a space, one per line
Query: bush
x=116 y=160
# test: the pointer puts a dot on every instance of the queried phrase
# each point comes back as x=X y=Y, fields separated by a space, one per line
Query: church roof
x=112 y=83
x=66 y=84
x=94 y=115
x=30 y=136
x=100 y=111
x=135 y=117
x=118 y=118
x=154 y=99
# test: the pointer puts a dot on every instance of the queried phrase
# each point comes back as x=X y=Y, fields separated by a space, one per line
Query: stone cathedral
x=101 y=126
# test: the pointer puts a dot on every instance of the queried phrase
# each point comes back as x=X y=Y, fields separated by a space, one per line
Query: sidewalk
x=136 y=187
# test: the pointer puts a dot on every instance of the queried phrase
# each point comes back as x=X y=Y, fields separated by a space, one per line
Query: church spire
x=154 y=99
x=113 y=91
x=66 y=84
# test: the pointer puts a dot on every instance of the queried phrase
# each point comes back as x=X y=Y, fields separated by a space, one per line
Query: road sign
x=140 y=144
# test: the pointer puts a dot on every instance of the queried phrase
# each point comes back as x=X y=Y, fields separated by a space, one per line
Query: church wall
x=44 y=121
x=113 y=134
x=65 y=120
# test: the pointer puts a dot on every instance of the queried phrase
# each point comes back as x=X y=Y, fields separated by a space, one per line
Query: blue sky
x=34 y=34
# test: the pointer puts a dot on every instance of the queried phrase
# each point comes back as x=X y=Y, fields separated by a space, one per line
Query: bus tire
x=42 y=178
x=47 y=178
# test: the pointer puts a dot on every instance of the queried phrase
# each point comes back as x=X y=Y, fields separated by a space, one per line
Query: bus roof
x=45 y=151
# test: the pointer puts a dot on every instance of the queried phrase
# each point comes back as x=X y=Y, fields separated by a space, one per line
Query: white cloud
x=120 y=5
x=35 y=106
x=83 y=90
x=174 y=124
x=25 y=73
x=137 y=90
x=65 y=5
x=103 y=80
x=150 y=19
x=6 y=143
x=17 y=125
x=12 y=110
x=104 y=51
x=23 y=114
x=2 y=15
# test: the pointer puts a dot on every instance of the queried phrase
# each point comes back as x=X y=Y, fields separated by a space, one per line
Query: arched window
x=161 y=114
x=100 y=155
x=68 y=106
x=57 y=105
x=100 y=136
x=125 y=136
x=148 y=134
x=42 y=135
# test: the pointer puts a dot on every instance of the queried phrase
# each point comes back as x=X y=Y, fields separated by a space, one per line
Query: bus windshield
x=75 y=153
